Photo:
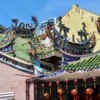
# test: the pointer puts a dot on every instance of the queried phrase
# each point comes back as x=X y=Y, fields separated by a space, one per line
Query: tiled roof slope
x=92 y=62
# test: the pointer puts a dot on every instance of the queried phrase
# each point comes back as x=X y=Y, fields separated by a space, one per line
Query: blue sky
x=42 y=9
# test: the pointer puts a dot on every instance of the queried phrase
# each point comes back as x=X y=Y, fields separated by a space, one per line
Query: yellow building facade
x=74 y=18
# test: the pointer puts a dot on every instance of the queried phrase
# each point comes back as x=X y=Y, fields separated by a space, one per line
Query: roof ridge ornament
x=75 y=6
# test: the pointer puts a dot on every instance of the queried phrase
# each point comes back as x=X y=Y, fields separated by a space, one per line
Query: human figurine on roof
x=98 y=24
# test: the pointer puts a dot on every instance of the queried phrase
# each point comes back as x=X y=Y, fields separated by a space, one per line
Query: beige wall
x=74 y=18
x=13 y=80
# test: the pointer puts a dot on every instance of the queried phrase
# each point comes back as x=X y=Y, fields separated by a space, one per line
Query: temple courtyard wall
x=13 y=83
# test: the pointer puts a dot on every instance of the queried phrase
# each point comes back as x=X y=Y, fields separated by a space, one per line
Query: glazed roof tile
x=90 y=63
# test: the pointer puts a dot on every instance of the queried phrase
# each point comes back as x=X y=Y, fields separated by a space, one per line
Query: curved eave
x=73 y=55
x=46 y=63
x=40 y=69
x=16 y=59
x=17 y=67
x=74 y=75
x=51 y=55
x=8 y=44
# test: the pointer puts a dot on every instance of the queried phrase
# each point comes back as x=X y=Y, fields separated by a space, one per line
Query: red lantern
x=66 y=81
x=89 y=91
x=94 y=79
x=60 y=91
x=46 y=96
x=75 y=95
x=76 y=81
x=35 y=86
x=74 y=92
x=50 y=85
x=98 y=96
x=85 y=80
x=58 y=82
x=42 y=85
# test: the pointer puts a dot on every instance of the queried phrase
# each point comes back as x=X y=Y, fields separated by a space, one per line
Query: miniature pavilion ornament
x=43 y=88
x=94 y=79
x=50 y=85
x=58 y=83
x=66 y=81
x=36 y=88
x=85 y=80
x=76 y=81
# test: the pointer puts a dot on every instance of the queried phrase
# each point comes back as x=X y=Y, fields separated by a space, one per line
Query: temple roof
x=85 y=67
x=87 y=64
x=70 y=76
x=15 y=59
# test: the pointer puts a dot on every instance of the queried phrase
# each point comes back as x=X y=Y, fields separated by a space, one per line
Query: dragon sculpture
x=82 y=33
x=85 y=46
x=23 y=28
x=63 y=28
